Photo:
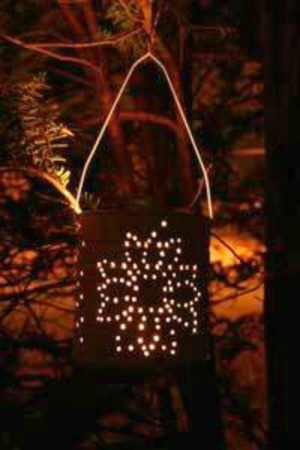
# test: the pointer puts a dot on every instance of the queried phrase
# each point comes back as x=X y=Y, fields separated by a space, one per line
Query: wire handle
x=150 y=56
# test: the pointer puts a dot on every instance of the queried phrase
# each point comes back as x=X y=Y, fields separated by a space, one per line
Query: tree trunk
x=104 y=93
x=183 y=148
x=282 y=81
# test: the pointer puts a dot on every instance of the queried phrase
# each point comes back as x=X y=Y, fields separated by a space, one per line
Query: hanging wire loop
x=148 y=56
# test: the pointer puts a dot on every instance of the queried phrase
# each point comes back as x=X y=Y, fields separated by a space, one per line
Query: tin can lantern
x=142 y=284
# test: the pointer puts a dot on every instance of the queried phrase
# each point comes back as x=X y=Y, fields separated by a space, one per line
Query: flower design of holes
x=151 y=294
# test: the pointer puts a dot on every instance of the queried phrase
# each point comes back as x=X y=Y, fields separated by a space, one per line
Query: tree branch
x=150 y=117
x=107 y=42
x=49 y=53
